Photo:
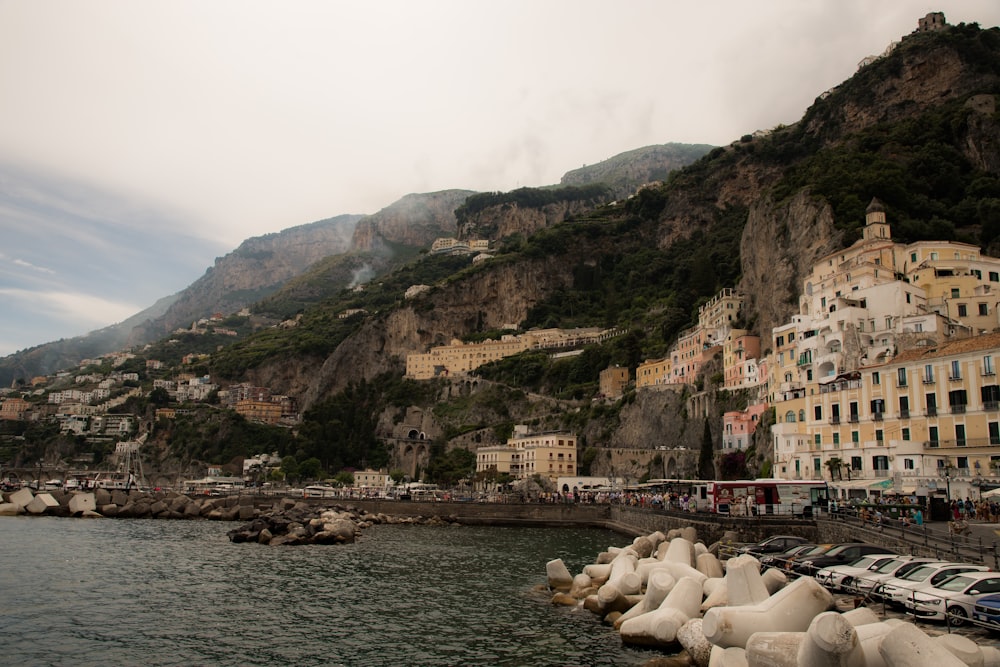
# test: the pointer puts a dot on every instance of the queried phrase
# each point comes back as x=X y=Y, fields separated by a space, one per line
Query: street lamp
x=946 y=471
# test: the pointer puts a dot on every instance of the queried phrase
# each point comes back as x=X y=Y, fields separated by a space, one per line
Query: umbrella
x=992 y=493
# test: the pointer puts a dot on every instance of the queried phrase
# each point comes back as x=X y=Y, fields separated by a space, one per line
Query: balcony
x=904 y=414
x=962 y=443
x=835 y=420
x=931 y=411
x=991 y=405
x=955 y=378
x=928 y=380
x=901 y=384
x=958 y=409
x=987 y=372
x=877 y=416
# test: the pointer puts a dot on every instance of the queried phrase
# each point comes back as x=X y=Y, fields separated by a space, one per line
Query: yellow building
x=613 y=381
x=551 y=455
x=259 y=411
x=459 y=357
x=653 y=372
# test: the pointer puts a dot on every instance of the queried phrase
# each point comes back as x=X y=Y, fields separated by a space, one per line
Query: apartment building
x=550 y=455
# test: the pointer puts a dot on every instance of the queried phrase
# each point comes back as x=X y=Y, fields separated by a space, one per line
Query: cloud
x=74 y=308
x=29 y=265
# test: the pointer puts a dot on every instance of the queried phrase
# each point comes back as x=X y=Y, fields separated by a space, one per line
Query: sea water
x=157 y=592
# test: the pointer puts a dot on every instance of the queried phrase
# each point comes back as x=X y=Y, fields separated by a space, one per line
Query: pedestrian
x=918 y=517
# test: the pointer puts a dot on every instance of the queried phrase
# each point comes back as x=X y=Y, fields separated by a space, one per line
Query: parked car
x=840 y=554
x=956 y=596
x=896 y=590
x=835 y=575
x=772 y=545
x=869 y=583
x=987 y=611
x=784 y=560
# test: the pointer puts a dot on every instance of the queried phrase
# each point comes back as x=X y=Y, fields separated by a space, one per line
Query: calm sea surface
x=147 y=592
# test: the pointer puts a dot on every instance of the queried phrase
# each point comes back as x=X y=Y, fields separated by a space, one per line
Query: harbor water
x=155 y=592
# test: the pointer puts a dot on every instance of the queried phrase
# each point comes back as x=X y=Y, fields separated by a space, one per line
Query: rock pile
x=132 y=505
x=294 y=522
x=668 y=591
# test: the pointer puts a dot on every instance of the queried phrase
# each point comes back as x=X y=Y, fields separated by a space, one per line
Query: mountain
x=916 y=128
x=627 y=172
x=259 y=266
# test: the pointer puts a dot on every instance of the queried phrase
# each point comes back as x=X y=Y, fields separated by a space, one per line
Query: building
x=267 y=412
x=550 y=455
x=459 y=357
x=738 y=426
x=15 y=409
x=613 y=381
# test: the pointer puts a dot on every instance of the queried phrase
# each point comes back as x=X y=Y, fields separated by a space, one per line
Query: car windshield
x=920 y=573
x=816 y=550
x=864 y=561
x=836 y=550
x=957 y=583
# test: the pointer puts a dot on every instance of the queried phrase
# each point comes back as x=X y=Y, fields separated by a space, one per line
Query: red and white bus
x=750 y=497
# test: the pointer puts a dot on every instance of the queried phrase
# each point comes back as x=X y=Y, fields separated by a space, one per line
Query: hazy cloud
x=142 y=139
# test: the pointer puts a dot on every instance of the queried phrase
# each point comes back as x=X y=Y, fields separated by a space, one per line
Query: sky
x=140 y=140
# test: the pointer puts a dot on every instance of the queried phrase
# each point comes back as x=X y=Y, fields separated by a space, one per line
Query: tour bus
x=766 y=496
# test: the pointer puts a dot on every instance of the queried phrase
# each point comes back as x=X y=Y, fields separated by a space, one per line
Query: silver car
x=898 y=589
x=868 y=583
x=835 y=575
x=956 y=596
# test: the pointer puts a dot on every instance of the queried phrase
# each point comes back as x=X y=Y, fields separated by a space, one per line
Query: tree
x=835 y=465
x=706 y=458
x=396 y=475
x=290 y=467
x=310 y=469
x=345 y=478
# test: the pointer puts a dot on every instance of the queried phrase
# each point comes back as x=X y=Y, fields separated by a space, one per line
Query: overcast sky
x=140 y=140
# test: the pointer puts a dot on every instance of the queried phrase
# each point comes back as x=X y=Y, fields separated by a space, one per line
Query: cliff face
x=415 y=220
x=627 y=172
x=498 y=222
x=259 y=266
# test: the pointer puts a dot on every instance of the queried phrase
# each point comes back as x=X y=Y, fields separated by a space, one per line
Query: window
x=907 y=297
x=934 y=255
x=931 y=403
x=817 y=465
x=835 y=413
x=779 y=341
x=957 y=400
x=932 y=435
x=836 y=440
x=956 y=370
x=817 y=440
x=963 y=310
x=908 y=463
x=855 y=437
x=817 y=412
x=995 y=276
x=988 y=365
x=984 y=309
x=876 y=379
x=790 y=416
x=879 y=435
x=855 y=463
x=878 y=405
x=904 y=407
x=994 y=433
x=901 y=377
x=960 y=436
x=990 y=395
x=928 y=374
x=905 y=433
x=955 y=293
x=913 y=257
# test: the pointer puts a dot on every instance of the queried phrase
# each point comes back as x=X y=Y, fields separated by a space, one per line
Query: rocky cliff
x=415 y=220
x=627 y=172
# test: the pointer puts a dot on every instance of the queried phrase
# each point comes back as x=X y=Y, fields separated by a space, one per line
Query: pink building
x=738 y=426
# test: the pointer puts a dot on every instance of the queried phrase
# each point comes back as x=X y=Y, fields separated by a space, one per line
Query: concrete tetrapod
x=659 y=586
x=828 y=642
x=558 y=575
x=692 y=638
x=962 y=648
x=734 y=656
x=744 y=583
x=907 y=646
x=791 y=609
x=659 y=627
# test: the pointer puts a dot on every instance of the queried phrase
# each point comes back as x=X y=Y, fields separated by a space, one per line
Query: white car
x=898 y=589
x=869 y=582
x=955 y=596
x=834 y=575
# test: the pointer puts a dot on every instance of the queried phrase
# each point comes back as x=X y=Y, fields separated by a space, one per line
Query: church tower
x=876 y=228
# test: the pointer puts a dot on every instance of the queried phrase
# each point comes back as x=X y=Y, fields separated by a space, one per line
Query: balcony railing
x=931 y=411
x=853 y=419
x=834 y=420
x=955 y=378
x=991 y=405
x=964 y=443
x=904 y=414
x=928 y=380
x=877 y=416
x=958 y=409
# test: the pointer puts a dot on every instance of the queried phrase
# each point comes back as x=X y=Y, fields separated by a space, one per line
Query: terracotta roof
x=973 y=344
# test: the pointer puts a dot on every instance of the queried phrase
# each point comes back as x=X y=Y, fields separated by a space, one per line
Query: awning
x=881 y=484
x=852 y=484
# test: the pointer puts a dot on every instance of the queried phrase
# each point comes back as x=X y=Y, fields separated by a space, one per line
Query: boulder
x=82 y=502
x=41 y=503
x=21 y=498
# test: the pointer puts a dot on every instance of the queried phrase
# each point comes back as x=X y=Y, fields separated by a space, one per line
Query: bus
x=749 y=497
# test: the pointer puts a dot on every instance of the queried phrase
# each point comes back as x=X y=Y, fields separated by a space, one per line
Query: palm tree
x=835 y=464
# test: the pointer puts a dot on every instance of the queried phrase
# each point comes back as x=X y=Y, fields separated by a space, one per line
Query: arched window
x=790 y=416
x=802 y=415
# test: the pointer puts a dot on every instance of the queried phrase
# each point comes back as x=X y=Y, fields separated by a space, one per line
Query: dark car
x=840 y=554
x=784 y=559
x=773 y=545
